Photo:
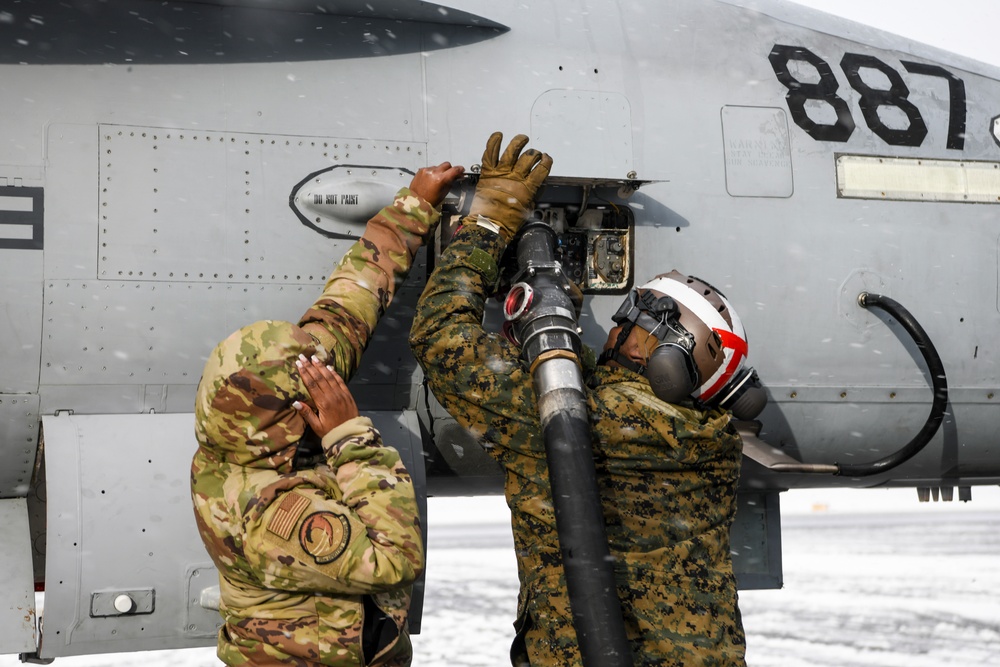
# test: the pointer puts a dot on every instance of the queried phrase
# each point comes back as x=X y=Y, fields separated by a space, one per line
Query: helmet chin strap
x=644 y=305
x=669 y=369
x=615 y=355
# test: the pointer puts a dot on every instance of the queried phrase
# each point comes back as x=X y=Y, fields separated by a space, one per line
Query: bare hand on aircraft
x=507 y=184
x=333 y=400
x=433 y=183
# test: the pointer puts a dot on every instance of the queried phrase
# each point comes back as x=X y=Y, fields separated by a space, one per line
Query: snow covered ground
x=872 y=578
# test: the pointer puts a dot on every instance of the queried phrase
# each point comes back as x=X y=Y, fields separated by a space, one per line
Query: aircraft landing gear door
x=17 y=606
x=125 y=567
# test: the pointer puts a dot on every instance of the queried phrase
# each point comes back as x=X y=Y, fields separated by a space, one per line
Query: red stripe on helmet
x=730 y=341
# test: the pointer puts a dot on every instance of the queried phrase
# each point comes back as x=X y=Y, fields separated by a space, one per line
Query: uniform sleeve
x=364 y=282
x=358 y=534
x=477 y=376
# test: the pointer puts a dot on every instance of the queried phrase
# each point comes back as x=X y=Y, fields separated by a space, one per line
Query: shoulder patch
x=291 y=508
x=324 y=536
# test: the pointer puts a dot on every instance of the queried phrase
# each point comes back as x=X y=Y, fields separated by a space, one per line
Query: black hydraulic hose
x=939 y=384
x=544 y=318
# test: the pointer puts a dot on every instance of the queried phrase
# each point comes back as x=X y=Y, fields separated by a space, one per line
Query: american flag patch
x=282 y=523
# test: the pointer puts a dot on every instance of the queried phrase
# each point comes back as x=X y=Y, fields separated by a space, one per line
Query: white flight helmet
x=702 y=346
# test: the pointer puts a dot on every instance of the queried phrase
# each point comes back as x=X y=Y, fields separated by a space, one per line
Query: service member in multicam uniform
x=667 y=471
x=316 y=557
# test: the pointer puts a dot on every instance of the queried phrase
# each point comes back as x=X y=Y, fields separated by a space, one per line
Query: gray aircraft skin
x=171 y=171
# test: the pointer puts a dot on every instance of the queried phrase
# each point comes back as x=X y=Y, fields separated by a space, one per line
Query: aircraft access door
x=125 y=568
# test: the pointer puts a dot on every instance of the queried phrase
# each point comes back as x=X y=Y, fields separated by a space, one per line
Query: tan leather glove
x=505 y=194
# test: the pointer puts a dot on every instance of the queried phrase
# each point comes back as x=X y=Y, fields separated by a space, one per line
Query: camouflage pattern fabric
x=311 y=562
x=668 y=474
x=299 y=553
x=364 y=283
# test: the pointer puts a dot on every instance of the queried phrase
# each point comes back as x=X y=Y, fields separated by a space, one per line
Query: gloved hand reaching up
x=505 y=194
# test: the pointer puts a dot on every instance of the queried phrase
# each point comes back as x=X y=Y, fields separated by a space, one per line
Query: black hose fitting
x=539 y=305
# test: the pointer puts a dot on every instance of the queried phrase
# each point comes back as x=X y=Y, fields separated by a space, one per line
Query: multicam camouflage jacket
x=315 y=564
x=668 y=475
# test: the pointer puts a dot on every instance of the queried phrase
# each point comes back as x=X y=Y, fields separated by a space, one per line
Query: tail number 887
x=873 y=96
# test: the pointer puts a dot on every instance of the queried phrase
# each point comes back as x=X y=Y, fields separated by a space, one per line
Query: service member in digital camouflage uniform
x=316 y=557
x=667 y=472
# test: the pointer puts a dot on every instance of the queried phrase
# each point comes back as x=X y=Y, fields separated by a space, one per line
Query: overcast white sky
x=968 y=27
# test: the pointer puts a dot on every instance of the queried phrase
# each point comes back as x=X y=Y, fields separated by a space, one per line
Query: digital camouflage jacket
x=667 y=474
x=315 y=564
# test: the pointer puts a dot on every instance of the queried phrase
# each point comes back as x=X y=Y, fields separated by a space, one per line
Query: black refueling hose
x=540 y=310
x=939 y=383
